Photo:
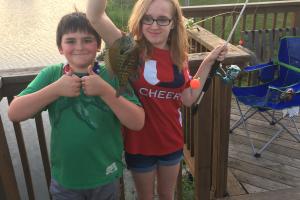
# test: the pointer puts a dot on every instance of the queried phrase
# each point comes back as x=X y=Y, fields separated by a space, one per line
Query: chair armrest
x=259 y=67
x=279 y=97
x=295 y=87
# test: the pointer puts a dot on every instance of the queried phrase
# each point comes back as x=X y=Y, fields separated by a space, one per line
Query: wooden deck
x=275 y=175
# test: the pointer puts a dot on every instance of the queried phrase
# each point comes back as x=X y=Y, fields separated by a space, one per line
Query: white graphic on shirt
x=111 y=168
x=150 y=72
x=159 y=94
x=180 y=117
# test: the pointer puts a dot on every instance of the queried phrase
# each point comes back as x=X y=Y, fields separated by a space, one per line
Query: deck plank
x=276 y=174
x=264 y=163
x=234 y=187
x=252 y=189
x=284 y=194
x=258 y=181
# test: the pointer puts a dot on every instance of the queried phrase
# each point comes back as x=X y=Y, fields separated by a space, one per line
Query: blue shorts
x=142 y=163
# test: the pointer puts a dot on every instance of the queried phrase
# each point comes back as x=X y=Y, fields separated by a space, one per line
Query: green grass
x=188 y=184
x=119 y=11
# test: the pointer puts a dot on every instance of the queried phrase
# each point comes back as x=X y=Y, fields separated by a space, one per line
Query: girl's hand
x=218 y=53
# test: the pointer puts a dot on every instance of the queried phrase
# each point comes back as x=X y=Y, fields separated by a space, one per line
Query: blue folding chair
x=278 y=88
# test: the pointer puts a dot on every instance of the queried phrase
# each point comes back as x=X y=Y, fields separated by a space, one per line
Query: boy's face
x=79 y=48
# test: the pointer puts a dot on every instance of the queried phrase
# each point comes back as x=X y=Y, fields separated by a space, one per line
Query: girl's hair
x=177 y=41
x=73 y=22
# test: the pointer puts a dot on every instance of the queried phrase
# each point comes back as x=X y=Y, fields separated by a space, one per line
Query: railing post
x=296 y=19
x=8 y=184
x=0 y=88
x=221 y=107
x=23 y=156
x=203 y=147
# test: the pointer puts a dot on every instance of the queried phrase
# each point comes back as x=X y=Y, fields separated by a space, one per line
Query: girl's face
x=157 y=31
x=80 y=50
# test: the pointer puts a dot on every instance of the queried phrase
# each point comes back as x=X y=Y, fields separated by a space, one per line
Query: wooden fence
x=264 y=43
x=257 y=16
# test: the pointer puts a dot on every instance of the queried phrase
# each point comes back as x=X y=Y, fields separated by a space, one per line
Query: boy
x=85 y=115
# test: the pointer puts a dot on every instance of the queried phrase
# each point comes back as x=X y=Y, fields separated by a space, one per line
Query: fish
x=122 y=59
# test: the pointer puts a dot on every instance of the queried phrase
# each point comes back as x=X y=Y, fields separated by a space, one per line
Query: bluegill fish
x=122 y=59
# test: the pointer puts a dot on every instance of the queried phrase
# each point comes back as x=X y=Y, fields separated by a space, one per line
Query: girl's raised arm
x=101 y=22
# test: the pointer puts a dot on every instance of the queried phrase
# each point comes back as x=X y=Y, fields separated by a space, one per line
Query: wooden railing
x=257 y=16
x=207 y=131
x=12 y=83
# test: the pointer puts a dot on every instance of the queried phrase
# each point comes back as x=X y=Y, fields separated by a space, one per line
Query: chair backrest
x=289 y=59
x=283 y=90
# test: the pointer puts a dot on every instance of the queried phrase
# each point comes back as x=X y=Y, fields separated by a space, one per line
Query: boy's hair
x=73 y=22
x=177 y=42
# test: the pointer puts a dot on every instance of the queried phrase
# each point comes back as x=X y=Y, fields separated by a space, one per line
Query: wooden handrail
x=254 y=7
x=211 y=41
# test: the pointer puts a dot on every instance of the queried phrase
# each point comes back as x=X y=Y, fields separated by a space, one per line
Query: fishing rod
x=217 y=65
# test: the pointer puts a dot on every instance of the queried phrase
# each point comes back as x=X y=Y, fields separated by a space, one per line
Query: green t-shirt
x=86 y=140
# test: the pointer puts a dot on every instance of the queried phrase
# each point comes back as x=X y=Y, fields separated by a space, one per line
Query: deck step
x=284 y=194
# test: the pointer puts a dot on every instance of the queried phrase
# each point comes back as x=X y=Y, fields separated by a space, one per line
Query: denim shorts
x=143 y=163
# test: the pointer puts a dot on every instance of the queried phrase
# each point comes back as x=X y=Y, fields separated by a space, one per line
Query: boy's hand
x=69 y=85
x=94 y=85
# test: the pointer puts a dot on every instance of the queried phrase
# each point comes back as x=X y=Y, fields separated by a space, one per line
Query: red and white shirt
x=159 y=89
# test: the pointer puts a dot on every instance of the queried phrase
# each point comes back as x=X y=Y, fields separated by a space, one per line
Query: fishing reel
x=227 y=77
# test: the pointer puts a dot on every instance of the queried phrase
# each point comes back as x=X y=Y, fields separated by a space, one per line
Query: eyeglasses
x=161 y=21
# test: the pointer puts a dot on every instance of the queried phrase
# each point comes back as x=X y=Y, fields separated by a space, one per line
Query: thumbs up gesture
x=91 y=71
x=93 y=84
x=68 y=85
